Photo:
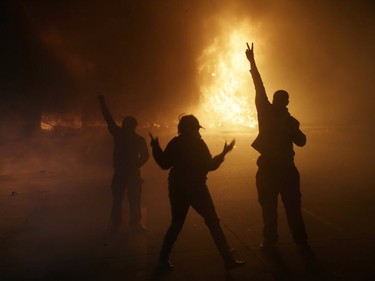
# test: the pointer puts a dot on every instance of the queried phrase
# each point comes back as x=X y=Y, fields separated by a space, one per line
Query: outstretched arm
x=261 y=99
x=107 y=114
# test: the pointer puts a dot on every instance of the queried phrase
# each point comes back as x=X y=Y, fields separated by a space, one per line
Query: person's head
x=280 y=99
x=188 y=125
x=129 y=123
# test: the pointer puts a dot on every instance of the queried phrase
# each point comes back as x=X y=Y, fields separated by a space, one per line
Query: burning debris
x=49 y=121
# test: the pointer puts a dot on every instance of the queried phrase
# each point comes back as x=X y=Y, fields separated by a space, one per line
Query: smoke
x=143 y=54
x=319 y=52
x=57 y=56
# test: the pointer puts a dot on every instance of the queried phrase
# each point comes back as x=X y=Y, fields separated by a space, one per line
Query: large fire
x=225 y=81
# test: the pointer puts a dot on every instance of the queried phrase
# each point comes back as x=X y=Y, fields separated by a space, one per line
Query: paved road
x=54 y=210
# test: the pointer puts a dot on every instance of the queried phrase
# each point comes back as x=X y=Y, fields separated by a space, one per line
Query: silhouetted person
x=189 y=160
x=129 y=155
x=277 y=173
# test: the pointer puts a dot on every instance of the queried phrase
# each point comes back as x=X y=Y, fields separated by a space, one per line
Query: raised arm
x=261 y=99
x=107 y=114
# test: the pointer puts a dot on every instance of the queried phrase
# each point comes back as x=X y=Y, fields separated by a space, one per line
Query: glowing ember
x=46 y=126
x=51 y=120
x=224 y=81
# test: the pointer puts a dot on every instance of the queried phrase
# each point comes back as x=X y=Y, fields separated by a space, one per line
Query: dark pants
x=200 y=200
x=122 y=182
x=284 y=179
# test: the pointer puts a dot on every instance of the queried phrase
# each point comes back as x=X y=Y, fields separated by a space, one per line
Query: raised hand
x=228 y=147
x=154 y=140
x=250 y=52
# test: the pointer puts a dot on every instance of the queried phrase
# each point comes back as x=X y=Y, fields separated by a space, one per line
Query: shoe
x=165 y=264
x=232 y=264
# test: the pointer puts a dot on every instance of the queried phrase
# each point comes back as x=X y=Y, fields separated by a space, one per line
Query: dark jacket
x=188 y=159
x=129 y=152
x=130 y=149
x=278 y=130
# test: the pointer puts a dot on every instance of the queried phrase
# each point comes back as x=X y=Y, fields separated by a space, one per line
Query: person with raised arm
x=130 y=153
x=189 y=161
x=277 y=173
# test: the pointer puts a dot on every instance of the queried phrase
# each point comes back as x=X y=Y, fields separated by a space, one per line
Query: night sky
x=142 y=55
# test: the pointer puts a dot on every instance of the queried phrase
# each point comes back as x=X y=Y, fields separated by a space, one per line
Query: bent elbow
x=301 y=141
x=162 y=162
x=301 y=144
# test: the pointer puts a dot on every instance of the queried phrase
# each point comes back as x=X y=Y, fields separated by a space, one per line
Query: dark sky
x=58 y=55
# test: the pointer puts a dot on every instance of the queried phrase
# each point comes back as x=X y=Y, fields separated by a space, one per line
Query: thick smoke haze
x=151 y=59
x=59 y=55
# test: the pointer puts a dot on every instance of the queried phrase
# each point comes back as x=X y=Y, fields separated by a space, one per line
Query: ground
x=55 y=201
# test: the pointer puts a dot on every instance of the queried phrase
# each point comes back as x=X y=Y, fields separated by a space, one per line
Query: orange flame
x=225 y=82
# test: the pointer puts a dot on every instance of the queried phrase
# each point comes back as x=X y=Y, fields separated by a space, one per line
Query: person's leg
x=267 y=197
x=291 y=197
x=202 y=202
x=118 y=190
x=179 y=209
x=134 y=196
